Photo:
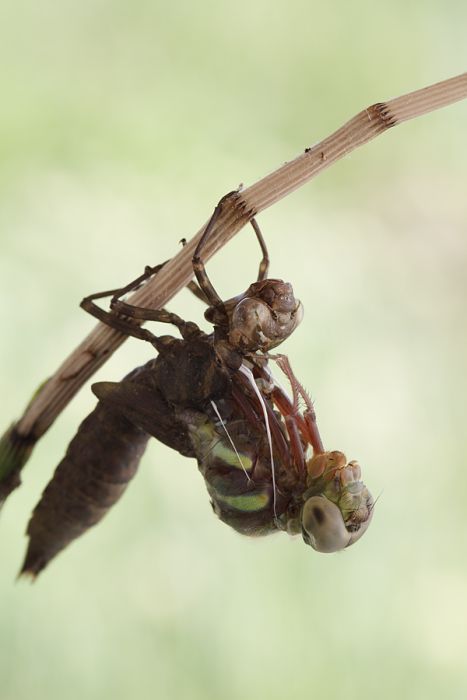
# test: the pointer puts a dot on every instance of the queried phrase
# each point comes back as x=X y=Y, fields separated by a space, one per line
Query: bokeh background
x=121 y=125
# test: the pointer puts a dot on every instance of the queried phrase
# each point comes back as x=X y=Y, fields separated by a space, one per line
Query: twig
x=91 y=354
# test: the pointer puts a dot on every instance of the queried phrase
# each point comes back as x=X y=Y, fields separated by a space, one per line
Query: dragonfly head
x=341 y=512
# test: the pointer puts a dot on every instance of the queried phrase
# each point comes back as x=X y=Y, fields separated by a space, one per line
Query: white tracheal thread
x=249 y=375
x=230 y=439
x=273 y=379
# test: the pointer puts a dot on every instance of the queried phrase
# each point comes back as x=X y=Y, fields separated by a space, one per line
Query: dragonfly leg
x=309 y=415
x=296 y=428
x=206 y=291
x=127 y=318
x=88 y=302
x=120 y=324
x=198 y=266
x=187 y=329
x=262 y=272
x=264 y=264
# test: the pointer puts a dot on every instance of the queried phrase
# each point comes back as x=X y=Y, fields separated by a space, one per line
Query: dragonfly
x=285 y=414
x=212 y=397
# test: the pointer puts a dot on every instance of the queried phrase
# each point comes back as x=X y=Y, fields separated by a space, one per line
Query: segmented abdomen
x=99 y=463
x=237 y=469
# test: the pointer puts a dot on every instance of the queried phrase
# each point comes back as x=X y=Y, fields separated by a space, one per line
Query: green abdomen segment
x=238 y=479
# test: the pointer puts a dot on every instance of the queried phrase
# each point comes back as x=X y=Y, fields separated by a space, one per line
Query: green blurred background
x=121 y=125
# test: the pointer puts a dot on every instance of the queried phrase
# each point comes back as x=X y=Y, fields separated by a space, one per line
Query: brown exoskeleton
x=211 y=397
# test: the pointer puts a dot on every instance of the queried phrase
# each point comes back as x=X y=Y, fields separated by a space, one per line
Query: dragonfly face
x=340 y=514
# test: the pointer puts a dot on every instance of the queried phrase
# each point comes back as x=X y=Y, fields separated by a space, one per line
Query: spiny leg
x=193 y=287
x=88 y=302
x=124 y=325
x=198 y=266
x=126 y=318
x=262 y=271
x=264 y=263
x=206 y=291
x=298 y=391
x=187 y=329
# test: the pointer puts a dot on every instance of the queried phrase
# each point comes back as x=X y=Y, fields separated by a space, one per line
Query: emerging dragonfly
x=212 y=397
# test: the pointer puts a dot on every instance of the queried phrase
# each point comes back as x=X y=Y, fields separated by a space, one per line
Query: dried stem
x=103 y=341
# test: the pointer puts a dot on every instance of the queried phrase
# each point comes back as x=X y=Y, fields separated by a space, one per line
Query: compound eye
x=358 y=532
x=323 y=525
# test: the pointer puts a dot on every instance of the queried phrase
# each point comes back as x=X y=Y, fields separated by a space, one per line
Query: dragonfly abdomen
x=98 y=465
x=233 y=457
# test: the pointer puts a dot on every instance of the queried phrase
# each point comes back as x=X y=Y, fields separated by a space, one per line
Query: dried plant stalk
x=17 y=444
